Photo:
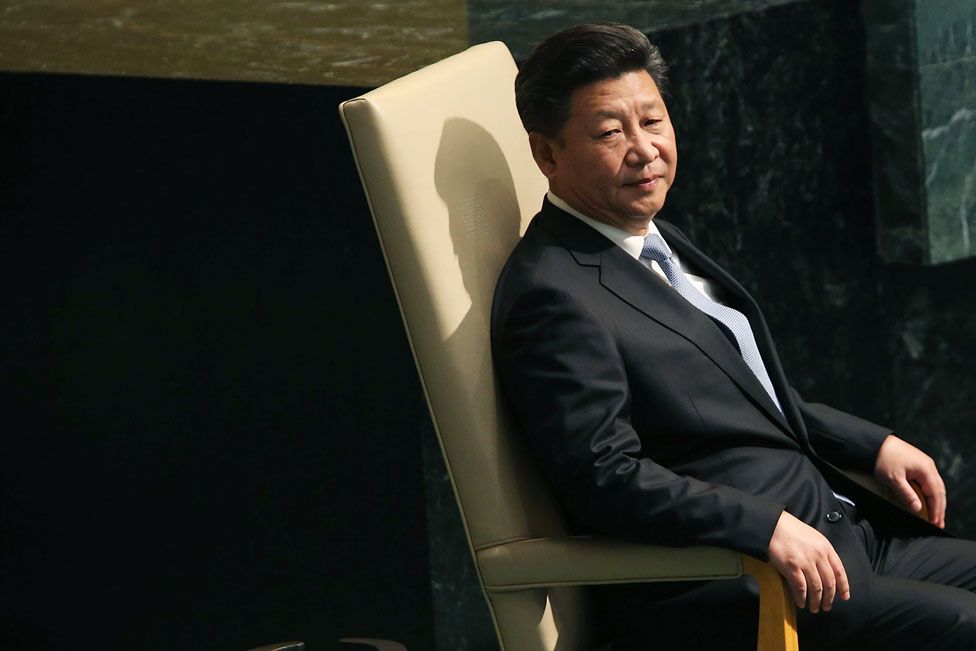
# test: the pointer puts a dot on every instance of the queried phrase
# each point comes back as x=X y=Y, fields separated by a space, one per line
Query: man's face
x=616 y=156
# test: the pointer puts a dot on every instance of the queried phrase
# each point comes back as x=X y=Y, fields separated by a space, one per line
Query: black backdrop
x=212 y=424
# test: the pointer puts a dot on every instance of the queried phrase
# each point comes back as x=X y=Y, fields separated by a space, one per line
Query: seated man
x=647 y=382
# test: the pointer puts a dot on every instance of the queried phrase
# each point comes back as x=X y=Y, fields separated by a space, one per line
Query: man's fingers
x=907 y=495
x=809 y=564
x=937 y=507
x=829 y=582
x=935 y=496
x=798 y=585
x=902 y=466
x=933 y=488
x=840 y=574
x=944 y=500
x=814 y=588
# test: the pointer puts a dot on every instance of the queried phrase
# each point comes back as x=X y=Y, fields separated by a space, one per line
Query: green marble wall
x=523 y=23
x=921 y=67
x=947 y=87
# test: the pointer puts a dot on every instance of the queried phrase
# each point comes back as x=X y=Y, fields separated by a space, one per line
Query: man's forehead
x=630 y=90
x=615 y=106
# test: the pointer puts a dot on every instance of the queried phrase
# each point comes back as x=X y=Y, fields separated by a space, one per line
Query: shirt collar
x=632 y=244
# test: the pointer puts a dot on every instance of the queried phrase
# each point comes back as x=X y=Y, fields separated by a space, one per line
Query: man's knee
x=951 y=621
x=962 y=633
x=908 y=615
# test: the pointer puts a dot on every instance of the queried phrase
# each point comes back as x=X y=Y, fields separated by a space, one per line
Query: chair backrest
x=452 y=185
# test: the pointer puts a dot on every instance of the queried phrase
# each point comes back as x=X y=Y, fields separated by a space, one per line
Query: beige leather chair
x=451 y=185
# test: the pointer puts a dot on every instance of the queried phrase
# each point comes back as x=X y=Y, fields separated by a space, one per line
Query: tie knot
x=655 y=249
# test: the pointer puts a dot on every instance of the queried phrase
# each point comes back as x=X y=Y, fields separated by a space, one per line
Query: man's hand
x=900 y=462
x=809 y=563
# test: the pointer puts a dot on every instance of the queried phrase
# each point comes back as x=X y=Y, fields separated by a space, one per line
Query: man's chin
x=644 y=211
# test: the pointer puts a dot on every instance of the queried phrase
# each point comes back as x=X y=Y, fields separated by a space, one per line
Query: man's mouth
x=645 y=182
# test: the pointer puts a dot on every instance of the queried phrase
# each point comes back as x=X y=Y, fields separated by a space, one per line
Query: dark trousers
x=921 y=597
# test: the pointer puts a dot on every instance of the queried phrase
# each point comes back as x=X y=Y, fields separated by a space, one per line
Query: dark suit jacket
x=645 y=417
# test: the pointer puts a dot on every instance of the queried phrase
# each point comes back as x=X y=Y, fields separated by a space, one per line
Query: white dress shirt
x=634 y=244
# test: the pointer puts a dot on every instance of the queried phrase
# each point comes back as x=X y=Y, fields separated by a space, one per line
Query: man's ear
x=542 y=152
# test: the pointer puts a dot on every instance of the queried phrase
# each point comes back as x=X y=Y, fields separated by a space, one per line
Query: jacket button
x=834 y=516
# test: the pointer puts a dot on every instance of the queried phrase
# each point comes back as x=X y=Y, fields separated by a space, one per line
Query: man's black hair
x=573 y=58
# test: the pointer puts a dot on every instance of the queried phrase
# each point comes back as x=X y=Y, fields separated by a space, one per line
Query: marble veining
x=921 y=64
x=948 y=138
x=961 y=117
x=343 y=42
x=946 y=30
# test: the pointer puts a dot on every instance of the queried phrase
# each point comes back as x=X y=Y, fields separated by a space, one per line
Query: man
x=648 y=385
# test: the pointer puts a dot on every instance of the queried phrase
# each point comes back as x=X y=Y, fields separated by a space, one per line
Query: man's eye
x=609 y=134
x=651 y=122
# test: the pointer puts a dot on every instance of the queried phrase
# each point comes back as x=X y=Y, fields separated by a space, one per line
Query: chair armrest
x=544 y=562
x=588 y=560
x=777 y=610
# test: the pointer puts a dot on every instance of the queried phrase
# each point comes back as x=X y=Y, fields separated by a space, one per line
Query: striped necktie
x=734 y=324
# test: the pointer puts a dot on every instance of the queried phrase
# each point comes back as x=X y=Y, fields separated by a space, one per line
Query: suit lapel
x=747 y=305
x=638 y=286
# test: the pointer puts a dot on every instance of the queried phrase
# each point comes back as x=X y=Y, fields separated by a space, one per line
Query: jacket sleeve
x=841 y=438
x=561 y=370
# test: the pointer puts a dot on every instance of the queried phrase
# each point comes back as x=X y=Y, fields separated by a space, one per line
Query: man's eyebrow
x=612 y=113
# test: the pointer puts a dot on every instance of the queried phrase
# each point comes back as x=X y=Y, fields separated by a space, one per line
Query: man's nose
x=642 y=150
